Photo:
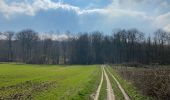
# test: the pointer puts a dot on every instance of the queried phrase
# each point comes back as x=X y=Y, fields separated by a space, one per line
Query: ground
x=64 y=82
x=21 y=81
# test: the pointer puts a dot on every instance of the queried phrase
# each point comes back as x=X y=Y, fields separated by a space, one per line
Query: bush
x=154 y=82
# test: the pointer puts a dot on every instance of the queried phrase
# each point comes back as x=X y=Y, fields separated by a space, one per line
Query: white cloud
x=37 y=5
x=114 y=10
x=54 y=36
x=132 y=3
x=32 y=8
x=163 y=21
x=167 y=28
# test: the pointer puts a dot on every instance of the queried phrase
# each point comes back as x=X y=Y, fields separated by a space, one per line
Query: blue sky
x=84 y=15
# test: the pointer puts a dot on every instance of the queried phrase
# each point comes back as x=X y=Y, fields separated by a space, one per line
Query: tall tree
x=9 y=36
x=27 y=39
x=97 y=38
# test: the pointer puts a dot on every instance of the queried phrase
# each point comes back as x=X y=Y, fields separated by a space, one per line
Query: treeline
x=123 y=46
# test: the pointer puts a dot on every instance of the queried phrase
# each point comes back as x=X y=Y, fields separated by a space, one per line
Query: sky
x=84 y=15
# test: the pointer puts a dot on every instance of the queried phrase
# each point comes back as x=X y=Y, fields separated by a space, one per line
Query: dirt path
x=120 y=87
x=110 y=93
x=99 y=87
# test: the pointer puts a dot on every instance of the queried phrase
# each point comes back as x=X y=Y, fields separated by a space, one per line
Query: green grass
x=103 y=93
x=132 y=91
x=52 y=82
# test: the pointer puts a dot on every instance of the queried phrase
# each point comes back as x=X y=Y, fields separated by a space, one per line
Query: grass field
x=61 y=82
x=48 y=82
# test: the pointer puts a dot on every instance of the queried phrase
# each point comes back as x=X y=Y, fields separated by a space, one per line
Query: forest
x=122 y=46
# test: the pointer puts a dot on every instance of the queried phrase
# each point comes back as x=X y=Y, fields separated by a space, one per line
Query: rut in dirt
x=126 y=97
x=110 y=93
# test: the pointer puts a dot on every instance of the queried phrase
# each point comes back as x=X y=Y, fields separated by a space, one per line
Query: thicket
x=153 y=81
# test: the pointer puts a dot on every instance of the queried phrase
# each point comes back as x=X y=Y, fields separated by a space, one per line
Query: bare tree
x=9 y=36
x=125 y=46
x=27 y=39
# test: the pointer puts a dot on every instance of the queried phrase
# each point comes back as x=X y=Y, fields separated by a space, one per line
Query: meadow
x=48 y=82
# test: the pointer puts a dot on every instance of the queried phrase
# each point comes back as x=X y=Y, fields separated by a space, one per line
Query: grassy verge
x=103 y=93
x=85 y=92
x=133 y=93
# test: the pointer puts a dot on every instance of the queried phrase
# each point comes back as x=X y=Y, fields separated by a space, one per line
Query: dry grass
x=152 y=81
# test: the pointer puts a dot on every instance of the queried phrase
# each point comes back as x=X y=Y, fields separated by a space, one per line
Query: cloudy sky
x=84 y=15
